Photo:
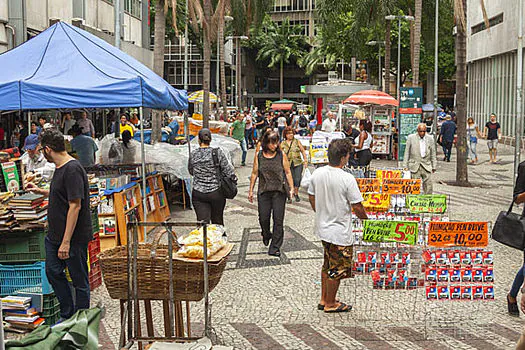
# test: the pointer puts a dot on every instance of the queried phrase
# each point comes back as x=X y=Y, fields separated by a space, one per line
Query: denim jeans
x=78 y=270
x=248 y=136
x=472 y=150
x=516 y=285
x=447 y=148
x=244 y=149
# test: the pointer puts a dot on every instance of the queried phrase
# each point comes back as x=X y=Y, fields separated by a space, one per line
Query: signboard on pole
x=390 y=231
x=411 y=97
x=409 y=118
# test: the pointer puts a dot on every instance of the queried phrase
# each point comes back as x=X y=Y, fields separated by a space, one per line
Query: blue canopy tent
x=67 y=67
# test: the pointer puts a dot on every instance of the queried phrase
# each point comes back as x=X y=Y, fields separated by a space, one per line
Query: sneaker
x=243 y=164
x=297 y=199
x=513 y=308
x=289 y=201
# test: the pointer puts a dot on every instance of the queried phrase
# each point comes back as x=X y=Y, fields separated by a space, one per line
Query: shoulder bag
x=228 y=183
x=509 y=229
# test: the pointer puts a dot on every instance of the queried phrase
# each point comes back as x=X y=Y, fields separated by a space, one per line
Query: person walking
x=363 y=143
x=472 y=136
x=281 y=124
x=420 y=157
x=493 y=134
x=272 y=168
x=448 y=130
x=69 y=225
x=237 y=132
x=84 y=146
x=248 y=130
x=297 y=157
x=67 y=123
x=333 y=195
x=208 y=200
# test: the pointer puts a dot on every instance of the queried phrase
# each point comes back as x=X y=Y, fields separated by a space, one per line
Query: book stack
x=94 y=196
x=29 y=209
x=19 y=315
x=7 y=220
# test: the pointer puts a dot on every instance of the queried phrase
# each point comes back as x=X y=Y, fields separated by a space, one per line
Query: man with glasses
x=34 y=161
x=420 y=157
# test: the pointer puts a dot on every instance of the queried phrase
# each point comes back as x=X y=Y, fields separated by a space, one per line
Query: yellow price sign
x=376 y=201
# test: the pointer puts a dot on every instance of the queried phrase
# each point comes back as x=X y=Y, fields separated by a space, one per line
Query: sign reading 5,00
x=376 y=201
x=401 y=186
x=390 y=231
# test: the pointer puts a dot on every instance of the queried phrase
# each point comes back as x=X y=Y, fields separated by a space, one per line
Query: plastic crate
x=50 y=304
x=95 y=276
x=94 y=221
x=22 y=246
x=31 y=278
x=51 y=319
x=94 y=249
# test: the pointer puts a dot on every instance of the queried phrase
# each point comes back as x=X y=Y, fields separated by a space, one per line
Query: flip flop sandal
x=321 y=306
x=341 y=308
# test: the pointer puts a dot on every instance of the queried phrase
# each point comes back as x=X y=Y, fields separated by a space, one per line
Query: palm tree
x=158 y=63
x=317 y=56
x=417 y=42
x=278 y=44
x=388 y=53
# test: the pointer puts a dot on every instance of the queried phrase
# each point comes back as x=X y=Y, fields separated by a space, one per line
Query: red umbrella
x=372 y=97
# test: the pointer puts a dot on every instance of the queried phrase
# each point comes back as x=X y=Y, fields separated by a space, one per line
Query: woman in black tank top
x=275 y=184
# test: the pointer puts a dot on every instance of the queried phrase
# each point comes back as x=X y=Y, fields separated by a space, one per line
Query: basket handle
x=157 y=241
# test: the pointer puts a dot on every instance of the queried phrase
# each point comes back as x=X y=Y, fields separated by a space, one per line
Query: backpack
x=303 y=122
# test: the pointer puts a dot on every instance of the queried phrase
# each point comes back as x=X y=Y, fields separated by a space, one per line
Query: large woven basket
x=153 y=274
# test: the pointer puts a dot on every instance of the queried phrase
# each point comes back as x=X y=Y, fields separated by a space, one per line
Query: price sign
x=369 y=185
x=404 y=232
x=463 y=234
x=401 y=186
x=431 y=203
x=389 y=174
x=376 y=201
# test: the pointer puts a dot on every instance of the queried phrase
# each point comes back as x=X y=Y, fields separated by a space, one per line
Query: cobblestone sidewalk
x=264 y=302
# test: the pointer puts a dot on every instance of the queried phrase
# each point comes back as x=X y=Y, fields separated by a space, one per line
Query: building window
x=291 y=5
x=492 y=21
x=303 y=23
x=133 y=7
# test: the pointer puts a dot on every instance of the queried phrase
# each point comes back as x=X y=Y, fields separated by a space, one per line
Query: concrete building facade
x=20 y=20
x=492 y=62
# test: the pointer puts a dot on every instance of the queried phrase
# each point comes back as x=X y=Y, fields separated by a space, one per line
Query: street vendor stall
x=98 y=75
x=377 y=106
x=197 y=98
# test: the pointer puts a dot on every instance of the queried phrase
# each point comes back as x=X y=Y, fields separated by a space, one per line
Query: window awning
x=282 y=106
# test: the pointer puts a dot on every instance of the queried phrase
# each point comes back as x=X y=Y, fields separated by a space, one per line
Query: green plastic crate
x=94 y=221
x=52 y=319
x=22 y=246
x=51 y=304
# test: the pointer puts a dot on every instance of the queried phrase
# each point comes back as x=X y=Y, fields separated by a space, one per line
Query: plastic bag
x=192 y=243
x=305 y=181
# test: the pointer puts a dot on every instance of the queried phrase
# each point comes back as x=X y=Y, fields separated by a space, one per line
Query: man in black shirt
x=69 y=224
x=493 y=134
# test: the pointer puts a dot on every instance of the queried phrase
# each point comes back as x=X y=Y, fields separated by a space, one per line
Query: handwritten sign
x=431 y=203
x=463 y=234
x=389 y=174
x=404 y=232
x=376 y=201
x=319 y=152
x=401 y=186
x=369 y=185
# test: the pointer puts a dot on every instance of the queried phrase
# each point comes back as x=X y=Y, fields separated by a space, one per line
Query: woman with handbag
x=472 y=136
x=296 y=155
x=519 y=197
x=207 y=197
x=272 y=168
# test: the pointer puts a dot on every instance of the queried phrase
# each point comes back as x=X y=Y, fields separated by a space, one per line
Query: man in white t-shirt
x=333 y=193
x=329 y=124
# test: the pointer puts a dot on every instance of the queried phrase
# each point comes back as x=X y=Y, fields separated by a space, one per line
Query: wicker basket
x=152 y=274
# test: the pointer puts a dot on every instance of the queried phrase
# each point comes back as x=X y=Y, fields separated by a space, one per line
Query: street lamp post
x=217 y=76
x=379 y=44
x=398 y=84
x=238 y=64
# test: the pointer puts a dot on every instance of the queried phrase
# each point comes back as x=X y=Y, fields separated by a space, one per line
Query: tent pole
x=28 y=124
x=143 y=163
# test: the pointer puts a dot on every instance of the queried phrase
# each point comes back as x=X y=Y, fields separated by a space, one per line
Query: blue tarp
x=67 y=67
